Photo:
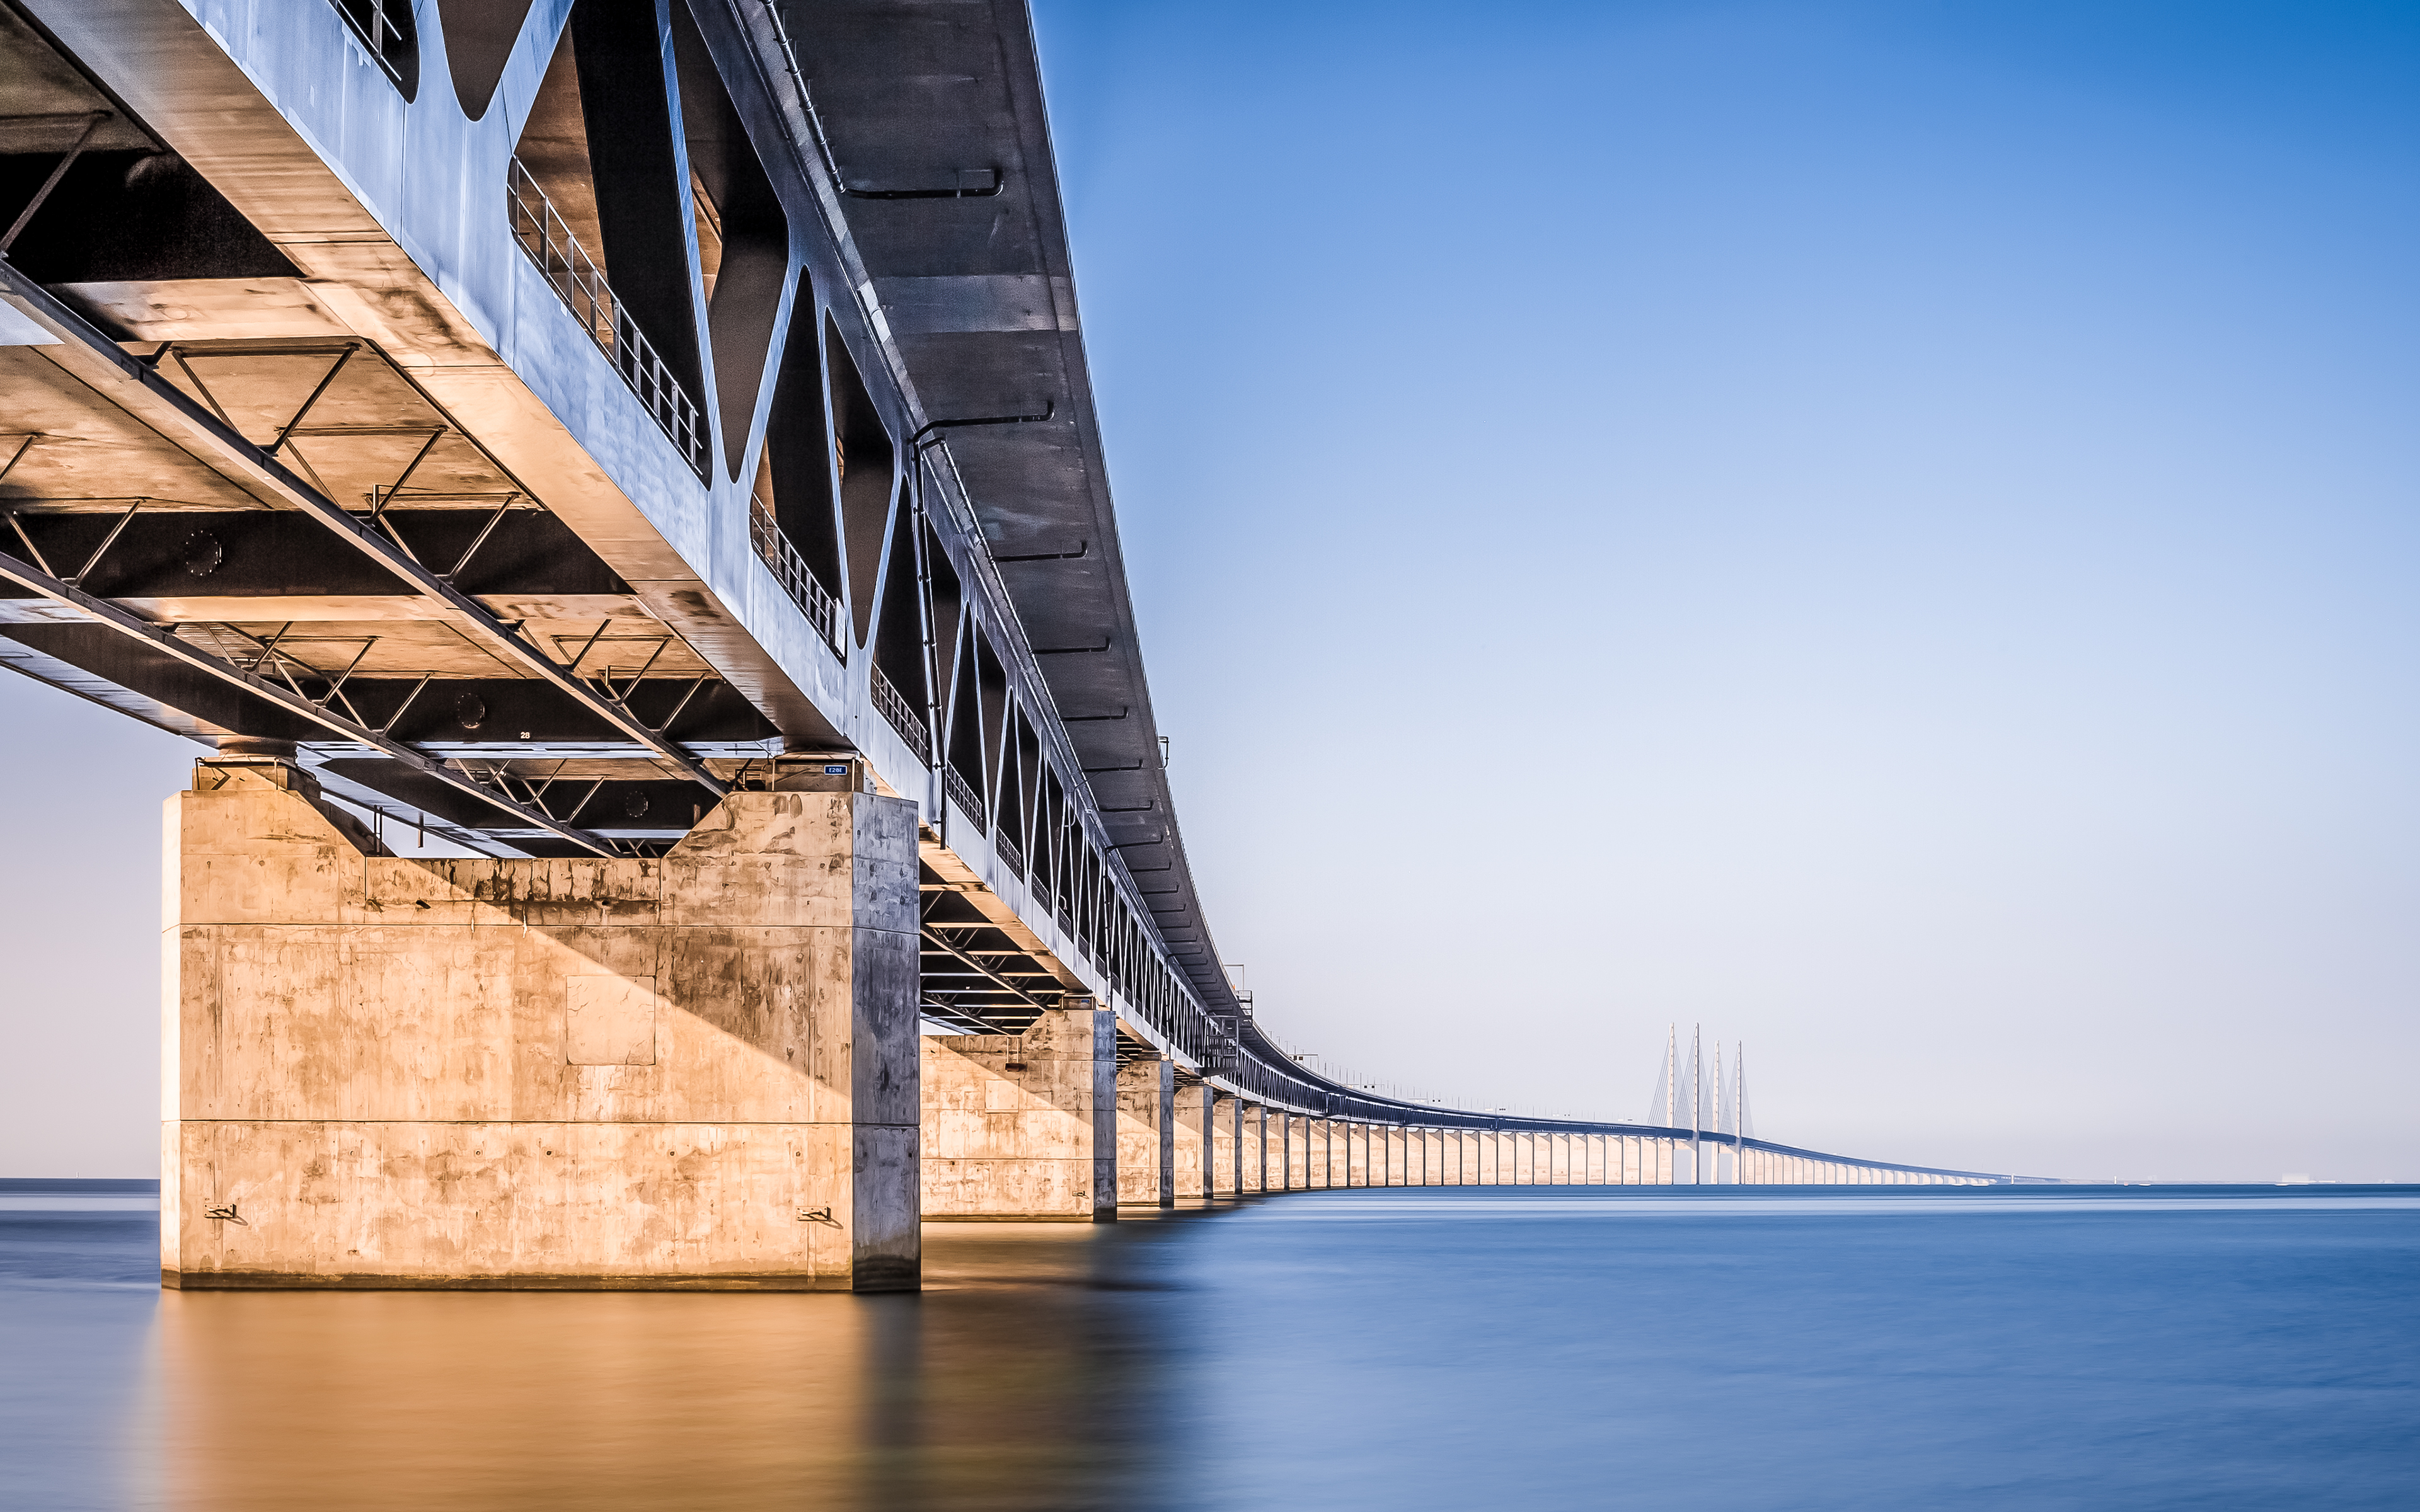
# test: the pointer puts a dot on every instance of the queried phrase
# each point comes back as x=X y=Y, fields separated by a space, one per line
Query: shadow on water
x=1557 y=1347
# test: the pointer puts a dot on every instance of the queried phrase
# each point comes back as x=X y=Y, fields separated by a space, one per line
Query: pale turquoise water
x=2145 y=1348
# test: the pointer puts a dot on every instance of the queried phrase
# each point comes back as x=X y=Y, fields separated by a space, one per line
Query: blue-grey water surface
x=1492 y=1348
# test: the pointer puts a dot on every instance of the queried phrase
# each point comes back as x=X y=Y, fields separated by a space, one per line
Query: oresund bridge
x=646 y=446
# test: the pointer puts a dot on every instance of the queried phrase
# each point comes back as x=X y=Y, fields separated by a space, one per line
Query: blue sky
x=1886 y=528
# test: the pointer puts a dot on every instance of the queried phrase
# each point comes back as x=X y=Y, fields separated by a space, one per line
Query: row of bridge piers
x=1052 y=1125
x=699 y=1070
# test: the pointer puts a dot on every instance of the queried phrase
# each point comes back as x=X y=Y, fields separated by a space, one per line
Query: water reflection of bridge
x=649 y=450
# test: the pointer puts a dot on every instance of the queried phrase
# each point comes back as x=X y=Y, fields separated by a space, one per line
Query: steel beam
x=96 y=361
x=169 y=643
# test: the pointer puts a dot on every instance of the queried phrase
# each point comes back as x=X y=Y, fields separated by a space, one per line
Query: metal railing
x=963 y=794
x=1009 y=853
x=902 y=718
x=548 y=240
x=797 y=579
x=388 y=40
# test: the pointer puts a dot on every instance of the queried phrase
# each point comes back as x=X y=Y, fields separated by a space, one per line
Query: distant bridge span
x=647 y=445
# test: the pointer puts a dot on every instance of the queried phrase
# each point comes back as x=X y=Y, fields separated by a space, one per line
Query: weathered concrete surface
x=1023 y=1126
x=1297 y=1153
x=1147 y=1133
x=1190 y=1146
x=1356 y=1154
x=1226 y=1174
x=696 y=1071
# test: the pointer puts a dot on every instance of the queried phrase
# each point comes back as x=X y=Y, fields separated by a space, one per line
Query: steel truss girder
x=152 y=400
x=169 y=643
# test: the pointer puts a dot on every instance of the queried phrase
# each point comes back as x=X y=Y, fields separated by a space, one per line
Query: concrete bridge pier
x=1147 y=1133
x=1023 y=1125
x=697 y=1072
x=1193 y=1137
x=1225 y=1145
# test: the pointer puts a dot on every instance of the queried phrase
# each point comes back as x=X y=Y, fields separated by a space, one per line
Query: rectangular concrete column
x=1147 y=1133
x=1297 y=1153
x=1399 y=1157
x=1226 y=1146
x=1192 y=1140
x=1023 y=1125
x=1256 y=1147
x=1356 y=1154
x=693 y=1071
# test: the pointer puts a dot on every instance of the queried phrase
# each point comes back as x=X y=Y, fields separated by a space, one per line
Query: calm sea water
x=2096 y=1348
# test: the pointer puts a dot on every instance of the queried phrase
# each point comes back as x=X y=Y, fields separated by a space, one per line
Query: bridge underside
x=547 y=429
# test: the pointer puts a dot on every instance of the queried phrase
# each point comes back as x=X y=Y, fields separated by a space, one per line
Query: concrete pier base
x=1023 y=1126
x=697 y=1072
